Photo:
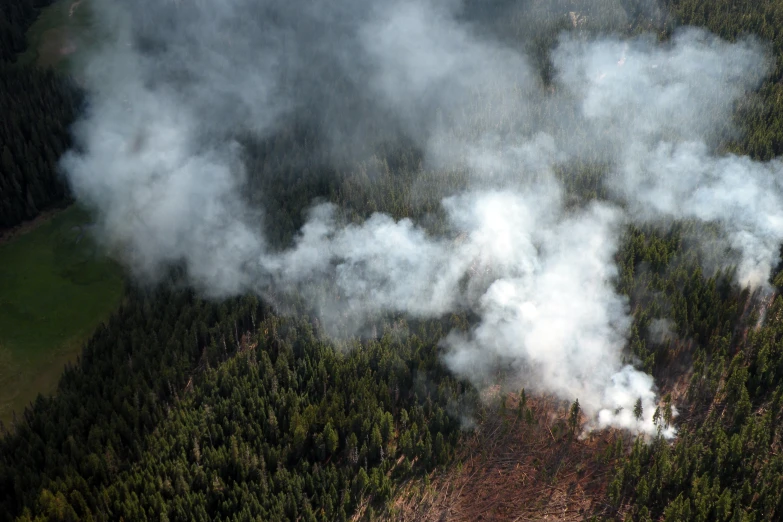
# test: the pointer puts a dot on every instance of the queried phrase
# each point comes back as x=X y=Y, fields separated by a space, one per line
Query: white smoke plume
x=159 y=160
x=659 y=111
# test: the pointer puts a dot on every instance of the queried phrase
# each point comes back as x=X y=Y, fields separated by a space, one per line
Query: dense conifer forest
x=37 y=108
x=194 y=409
x=725 y=463
x=182 y=408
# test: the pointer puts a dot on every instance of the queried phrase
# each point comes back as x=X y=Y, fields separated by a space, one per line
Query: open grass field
x=55 y=289
x=56 y=38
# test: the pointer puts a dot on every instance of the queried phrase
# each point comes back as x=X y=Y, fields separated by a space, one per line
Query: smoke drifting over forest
x=161 y=160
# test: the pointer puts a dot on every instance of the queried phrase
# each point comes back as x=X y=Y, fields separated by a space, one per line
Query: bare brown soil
x=512 y=469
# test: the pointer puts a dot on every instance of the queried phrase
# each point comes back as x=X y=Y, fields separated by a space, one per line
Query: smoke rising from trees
x=160 y=159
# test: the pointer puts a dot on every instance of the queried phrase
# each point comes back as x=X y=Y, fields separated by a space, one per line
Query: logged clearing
x=55 y=288
x=518 y=465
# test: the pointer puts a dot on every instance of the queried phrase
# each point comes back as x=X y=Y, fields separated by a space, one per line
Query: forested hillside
x=37 y=109
x=197 y=409
x=725 y=463
x=182 y=408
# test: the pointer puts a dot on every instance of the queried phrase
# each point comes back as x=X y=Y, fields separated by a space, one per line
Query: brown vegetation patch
x=55 y=44
x=518 y=466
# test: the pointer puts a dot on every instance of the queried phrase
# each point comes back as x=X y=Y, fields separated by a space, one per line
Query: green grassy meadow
x=55 y=289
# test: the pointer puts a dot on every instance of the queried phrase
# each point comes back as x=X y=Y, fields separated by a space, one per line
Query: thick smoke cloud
x=658 y=114
x=160 y=159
